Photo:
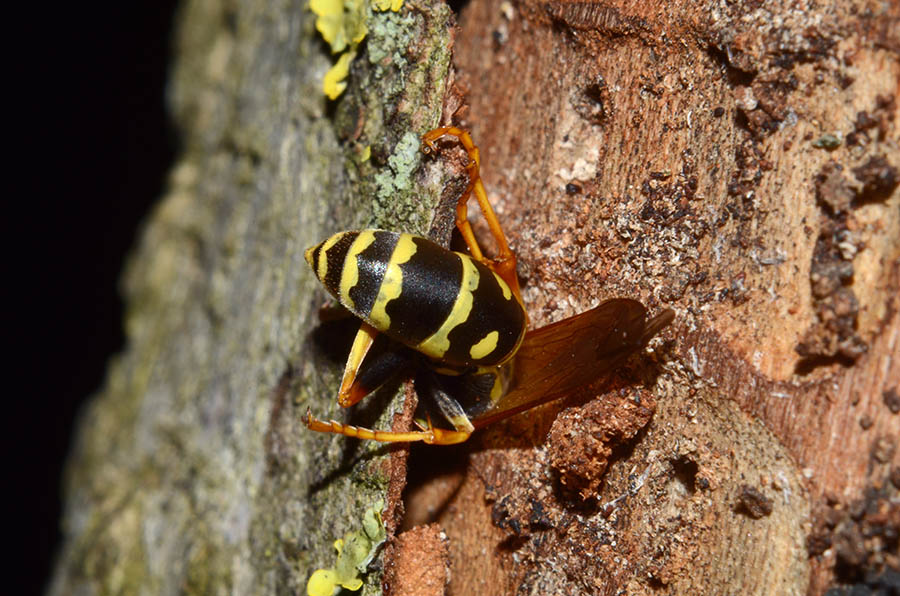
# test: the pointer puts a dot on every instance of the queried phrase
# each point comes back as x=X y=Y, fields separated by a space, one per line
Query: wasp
x=459 y=321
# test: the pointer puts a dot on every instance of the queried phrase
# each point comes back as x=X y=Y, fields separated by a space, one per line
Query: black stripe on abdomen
x=431 y=282
x=491 y=312
x=372 y=264
x=334 y=260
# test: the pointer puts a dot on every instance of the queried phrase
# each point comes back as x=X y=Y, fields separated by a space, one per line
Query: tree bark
x=711 y=158
x=738 y=164
x=193 y=471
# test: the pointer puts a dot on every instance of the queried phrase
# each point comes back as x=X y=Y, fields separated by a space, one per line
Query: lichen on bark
x=192 y=470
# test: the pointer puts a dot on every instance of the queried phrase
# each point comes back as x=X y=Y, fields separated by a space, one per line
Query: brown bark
x=738 y=163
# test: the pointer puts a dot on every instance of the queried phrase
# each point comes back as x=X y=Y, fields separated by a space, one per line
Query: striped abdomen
x=440 y=303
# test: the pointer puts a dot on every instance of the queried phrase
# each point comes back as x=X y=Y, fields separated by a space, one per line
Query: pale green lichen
x=402 y=166
x=354 y=553
x=387 y=35
x=398 y=179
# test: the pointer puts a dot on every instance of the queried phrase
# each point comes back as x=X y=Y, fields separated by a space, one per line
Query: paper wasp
x=459 y=320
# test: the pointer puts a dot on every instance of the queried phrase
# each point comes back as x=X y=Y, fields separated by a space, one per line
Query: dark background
x=91 y=145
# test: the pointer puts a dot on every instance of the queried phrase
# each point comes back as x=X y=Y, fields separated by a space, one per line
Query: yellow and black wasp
x=459 y=321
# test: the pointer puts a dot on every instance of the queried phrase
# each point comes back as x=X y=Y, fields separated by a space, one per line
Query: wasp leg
x=372 y=361
x=505 y=262
x=351 y=391
x=384 y=361
x=441 y=394
x=430 y=435
x=443 y=436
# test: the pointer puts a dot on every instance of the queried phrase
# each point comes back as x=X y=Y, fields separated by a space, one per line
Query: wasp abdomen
x=441 y=303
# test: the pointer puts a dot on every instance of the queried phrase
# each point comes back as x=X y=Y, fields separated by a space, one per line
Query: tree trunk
x=738 y=164
x=193 y=471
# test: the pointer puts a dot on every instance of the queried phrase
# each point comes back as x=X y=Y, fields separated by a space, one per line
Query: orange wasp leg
x=352 y=392
x=505 y=262
x=430 y=434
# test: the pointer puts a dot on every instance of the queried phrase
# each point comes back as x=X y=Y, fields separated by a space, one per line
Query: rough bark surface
x=192 y=471
x=735 y=162
x=738 y=163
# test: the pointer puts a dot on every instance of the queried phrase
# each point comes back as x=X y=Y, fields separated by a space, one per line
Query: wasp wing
x=558 y=359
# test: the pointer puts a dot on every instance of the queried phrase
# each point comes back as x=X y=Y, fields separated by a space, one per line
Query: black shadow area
x=91 y=145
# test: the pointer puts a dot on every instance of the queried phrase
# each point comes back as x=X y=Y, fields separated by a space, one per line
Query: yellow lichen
x=354 y=553
x=322 y=583
x=344 y=24
x=384 y=5
x=334 y=83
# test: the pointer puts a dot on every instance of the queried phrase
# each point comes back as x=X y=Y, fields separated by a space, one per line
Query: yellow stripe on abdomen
x=322 y=265
x=350 y=272
x=392 y=284
x=507 y=293
x=439 y=342
x=484 y=347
